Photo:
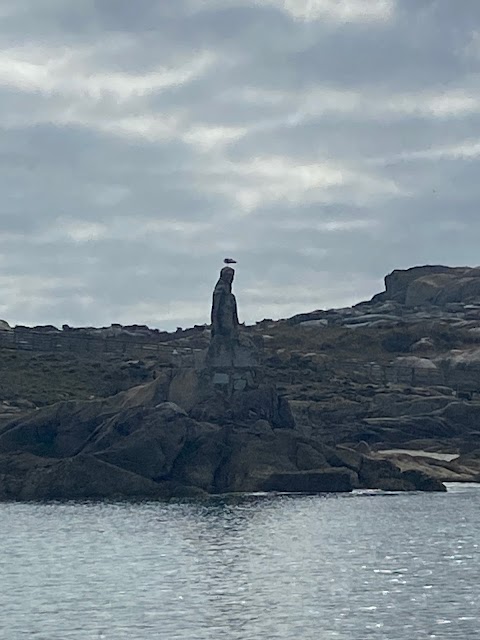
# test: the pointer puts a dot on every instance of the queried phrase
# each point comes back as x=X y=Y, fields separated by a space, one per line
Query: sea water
x=360 y=566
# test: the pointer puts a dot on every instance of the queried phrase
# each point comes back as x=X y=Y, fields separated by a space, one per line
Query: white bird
x=230 y=261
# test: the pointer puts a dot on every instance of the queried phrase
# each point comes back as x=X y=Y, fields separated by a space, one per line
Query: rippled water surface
x=354 y=567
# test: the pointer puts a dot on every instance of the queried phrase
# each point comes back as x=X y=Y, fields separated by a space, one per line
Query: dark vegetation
x=43 y=378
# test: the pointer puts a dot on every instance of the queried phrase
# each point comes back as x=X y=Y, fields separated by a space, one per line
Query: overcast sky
x=321 y=143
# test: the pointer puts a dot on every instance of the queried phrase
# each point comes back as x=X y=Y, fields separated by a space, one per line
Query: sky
x=320 y=143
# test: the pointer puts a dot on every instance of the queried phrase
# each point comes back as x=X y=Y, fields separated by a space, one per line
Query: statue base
x=229 y=388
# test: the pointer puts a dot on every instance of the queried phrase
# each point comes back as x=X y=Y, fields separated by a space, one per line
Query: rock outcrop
x=323 y=401
x=436 y=284
x=27 y=477
x=136 y=447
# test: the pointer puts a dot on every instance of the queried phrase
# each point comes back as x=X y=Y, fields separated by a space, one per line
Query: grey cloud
x=320 y=154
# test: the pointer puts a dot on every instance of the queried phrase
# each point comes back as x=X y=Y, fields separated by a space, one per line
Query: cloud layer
x=321 y=143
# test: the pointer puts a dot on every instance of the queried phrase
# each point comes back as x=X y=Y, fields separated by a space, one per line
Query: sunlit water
x=353 y=567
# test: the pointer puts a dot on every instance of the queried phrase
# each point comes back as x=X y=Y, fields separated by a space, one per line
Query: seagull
x=230 y=261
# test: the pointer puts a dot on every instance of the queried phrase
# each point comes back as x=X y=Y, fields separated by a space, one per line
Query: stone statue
x=229 y=347
x=224 y=314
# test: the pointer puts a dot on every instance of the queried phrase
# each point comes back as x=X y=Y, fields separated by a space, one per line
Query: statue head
x=227 y=274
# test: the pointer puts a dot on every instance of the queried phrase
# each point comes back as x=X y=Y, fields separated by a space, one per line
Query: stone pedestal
x=233 y=364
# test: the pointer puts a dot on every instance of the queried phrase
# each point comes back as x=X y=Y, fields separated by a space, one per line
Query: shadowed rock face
x=338 y=480
x=137 y=445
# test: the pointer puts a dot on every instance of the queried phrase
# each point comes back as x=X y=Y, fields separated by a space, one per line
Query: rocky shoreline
x=329 y=401
x=139 y=445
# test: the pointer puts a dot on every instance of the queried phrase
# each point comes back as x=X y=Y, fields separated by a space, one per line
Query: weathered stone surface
x=438 y=469
x=202 y=455
x=27 y=477
x=395 y=405
x=382 y=473
x=57 y=431
x=463 y=290
x=471 y=460
x=228 y=388
x=336 y=480
x=145 y=440
x=309 y=458
x=234 y=459
x=61 y=430
x=248 y=405
x=398 y=282
x=404 y=428
x=411 y=481
x=363 y=448
x=414 y=362
x=422 y=481
x=263 y=403
x=426 y=289
x=394 y=484
x=161 y=444
x=374 y=472
x=345 y=457
x=432 y=284
x=184 y=389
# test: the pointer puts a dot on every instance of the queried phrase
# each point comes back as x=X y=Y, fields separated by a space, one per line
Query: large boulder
x=381 y=473
x=63 y=429
x=57 y=431
x=374 y=472
x=431 y=284
x=461 y=368
x=422 y=481
x=233 y=459
x=309 y=457
x=471 y=460
x=201 y=458
x=143 y=440
x=465 y=289
x=426 y=290
x=436 y=467
x=398 y=282
x=415 y=370
x=184 y=389
x=252 y=458
x=27 y=477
